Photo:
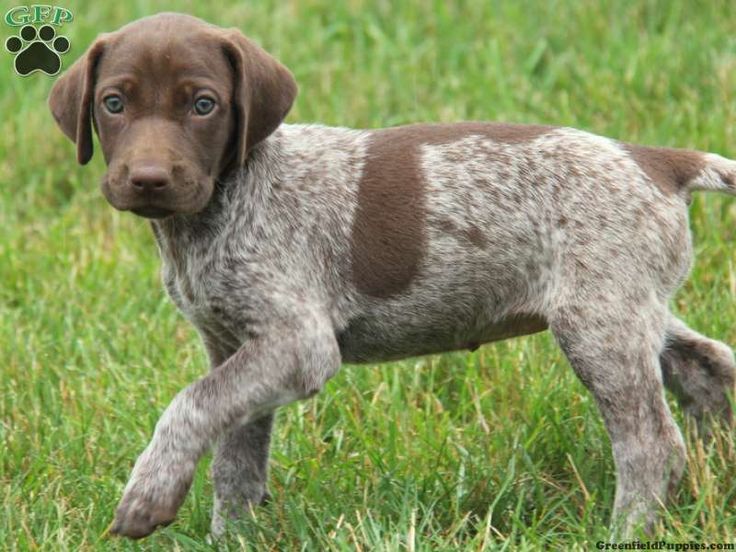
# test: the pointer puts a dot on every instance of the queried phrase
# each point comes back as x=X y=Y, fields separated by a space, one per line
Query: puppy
x=292 y=248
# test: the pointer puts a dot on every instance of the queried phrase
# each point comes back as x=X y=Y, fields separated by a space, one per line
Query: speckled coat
x=320 y=245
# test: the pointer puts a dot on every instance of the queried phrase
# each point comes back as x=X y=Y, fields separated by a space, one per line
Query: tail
x=718 y=173
x=683 y=171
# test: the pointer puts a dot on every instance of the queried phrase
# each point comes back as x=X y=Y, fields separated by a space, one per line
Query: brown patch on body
x=388 y=233
x=513 y=326
x=670 y=169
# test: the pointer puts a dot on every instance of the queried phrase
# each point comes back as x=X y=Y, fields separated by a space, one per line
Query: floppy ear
x=264 y=91
x=71 y=100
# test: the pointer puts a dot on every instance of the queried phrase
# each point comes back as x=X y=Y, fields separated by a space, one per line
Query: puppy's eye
x=113 y=103
x=204 y=105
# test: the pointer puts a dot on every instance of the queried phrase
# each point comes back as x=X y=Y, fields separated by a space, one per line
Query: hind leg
x=699 y=371
x=614 y=349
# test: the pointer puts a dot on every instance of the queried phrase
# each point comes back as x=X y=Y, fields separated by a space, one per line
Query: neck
x=237 y=197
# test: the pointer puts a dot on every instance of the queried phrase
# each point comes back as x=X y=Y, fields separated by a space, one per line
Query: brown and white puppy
x=292 y=248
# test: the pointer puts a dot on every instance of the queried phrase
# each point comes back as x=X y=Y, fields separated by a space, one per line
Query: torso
x=492 y=235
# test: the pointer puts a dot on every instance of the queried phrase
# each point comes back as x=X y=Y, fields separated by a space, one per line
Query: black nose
x=149 y=178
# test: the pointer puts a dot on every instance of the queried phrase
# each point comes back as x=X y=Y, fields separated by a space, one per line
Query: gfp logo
x=37 y=49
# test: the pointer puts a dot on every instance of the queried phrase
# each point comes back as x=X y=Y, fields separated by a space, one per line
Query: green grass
x=501 y=448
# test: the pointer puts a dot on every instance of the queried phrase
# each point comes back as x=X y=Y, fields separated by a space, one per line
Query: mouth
x=151 y=212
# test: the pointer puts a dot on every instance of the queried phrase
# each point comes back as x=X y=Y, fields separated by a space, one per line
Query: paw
x=37 y=50
x=152 y=497
x=138 y=516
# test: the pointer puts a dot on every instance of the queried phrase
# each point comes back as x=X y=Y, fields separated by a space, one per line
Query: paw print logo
x=37 y=50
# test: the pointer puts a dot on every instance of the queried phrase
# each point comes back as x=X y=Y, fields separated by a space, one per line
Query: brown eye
x=204 y=105
x=113 y=103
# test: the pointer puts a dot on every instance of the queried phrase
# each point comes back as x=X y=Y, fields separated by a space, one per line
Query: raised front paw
x=152 y=497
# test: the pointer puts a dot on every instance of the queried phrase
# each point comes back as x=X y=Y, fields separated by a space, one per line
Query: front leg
x=282 y=362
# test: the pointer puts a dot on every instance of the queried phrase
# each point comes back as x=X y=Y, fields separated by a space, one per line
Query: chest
x=227 y=291
x=210 y=292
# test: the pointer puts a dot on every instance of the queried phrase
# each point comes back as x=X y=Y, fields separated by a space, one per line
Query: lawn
x=500 y=448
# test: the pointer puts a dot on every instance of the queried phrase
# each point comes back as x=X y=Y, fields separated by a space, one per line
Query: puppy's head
x=176 y=102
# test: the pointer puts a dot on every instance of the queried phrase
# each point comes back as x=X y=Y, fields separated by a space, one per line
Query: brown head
x=176 y=103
